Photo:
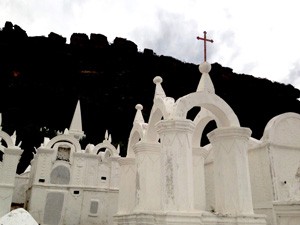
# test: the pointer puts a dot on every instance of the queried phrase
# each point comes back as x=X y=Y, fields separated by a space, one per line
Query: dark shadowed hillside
x=41 y=79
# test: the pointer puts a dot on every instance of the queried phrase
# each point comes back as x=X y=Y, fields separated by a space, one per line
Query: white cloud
x=253 y=37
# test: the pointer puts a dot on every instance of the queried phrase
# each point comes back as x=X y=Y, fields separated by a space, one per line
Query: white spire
x=0 y=121
x=138 y=115
x=159 y=91
x=76 y=124
x=205 y=83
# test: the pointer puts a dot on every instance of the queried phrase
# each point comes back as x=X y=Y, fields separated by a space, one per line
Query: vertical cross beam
x=205 y=40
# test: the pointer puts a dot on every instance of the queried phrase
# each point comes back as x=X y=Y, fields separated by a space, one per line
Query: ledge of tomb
x=146 y=147
x=197 y=217
x=123 y=161
x=45 y=150
x=13 y=151
x=8 y=185
x=173 y=125
x=228 y=132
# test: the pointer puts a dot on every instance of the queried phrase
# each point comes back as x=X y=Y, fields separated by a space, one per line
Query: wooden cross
x=205 y=40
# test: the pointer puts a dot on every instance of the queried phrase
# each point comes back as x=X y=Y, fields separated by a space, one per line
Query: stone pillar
x=45 y=158
x=231 y=170
x=127 y=186
x=199 y=155
x=9 y=165
x=147 y=176
x=114 y=172
x=177 y=188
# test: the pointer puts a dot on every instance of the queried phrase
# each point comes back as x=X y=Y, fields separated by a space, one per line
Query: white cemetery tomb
x=68 y=185
x=8 y=167
x=165 y=163
x=167 y=177
x=17 y=217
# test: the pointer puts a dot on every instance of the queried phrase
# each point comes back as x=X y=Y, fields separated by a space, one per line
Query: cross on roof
x=205 y=40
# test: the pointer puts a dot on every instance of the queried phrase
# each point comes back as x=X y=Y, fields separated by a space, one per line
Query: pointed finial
x=14 y=138
x=76 y=124
x=205 y=83
x=0 y=121
x=159 y=91
x=46 y=140
x=138 y=115
x=118 y=149
x=66 y=131
x=109 y=138
x=106 y=135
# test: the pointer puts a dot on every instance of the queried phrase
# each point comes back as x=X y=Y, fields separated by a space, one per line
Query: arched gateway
x=164 y=167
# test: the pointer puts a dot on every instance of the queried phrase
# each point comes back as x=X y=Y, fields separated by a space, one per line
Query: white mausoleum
x=68 y=185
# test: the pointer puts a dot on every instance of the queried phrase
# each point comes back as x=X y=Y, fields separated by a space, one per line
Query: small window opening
x=103 y=178
x=42 y=180
x=76 y=192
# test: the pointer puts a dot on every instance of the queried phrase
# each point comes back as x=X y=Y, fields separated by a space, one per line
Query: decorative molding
x=175 y=126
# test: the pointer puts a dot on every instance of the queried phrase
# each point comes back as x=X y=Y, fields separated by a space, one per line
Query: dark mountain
x=41 y=79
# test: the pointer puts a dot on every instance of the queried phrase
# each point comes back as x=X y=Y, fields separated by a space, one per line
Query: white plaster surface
x=18 y=217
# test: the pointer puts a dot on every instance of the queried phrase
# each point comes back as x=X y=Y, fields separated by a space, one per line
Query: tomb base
x=194 y=218
x=287 y=212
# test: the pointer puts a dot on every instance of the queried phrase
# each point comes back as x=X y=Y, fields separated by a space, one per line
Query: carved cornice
x=175 y=126
x=228 y=132
x=146 y=147
x=126 y=161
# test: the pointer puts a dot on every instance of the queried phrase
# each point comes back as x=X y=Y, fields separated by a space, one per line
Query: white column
x=177 y=188
x=114 y=172
x=199 y=155
x=127 y=186
x=147 y=176
x=9 y=165
x=231 y=170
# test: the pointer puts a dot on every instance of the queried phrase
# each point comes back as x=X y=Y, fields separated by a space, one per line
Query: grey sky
x=252 y=37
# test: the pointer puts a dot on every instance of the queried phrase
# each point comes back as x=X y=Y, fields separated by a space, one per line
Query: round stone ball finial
x=157 y=80
x=138 y=107
x=204 y=67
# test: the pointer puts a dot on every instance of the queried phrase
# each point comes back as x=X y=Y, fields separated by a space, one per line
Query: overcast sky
x=255 y=37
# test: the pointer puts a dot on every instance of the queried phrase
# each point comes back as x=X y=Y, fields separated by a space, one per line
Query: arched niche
x=223 y=113
x=64 y=138
x=162 y=108
x=201 y=120
x=60 y=175
x=151 y=134
x=135 y=136
x=64 y=150
x=109 y=151
x=158 y=112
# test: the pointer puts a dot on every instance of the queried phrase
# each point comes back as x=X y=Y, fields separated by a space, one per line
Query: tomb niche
x=60 y=173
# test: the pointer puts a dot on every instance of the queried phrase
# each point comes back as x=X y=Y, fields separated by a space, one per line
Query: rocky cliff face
x=41 y=79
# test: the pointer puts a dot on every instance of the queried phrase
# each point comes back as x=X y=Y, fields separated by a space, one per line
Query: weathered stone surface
x=18 y=217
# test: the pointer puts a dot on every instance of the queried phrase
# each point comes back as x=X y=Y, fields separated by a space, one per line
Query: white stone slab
x=17 y=217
